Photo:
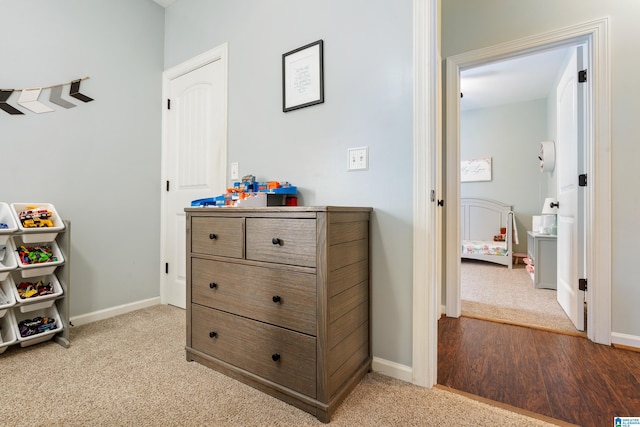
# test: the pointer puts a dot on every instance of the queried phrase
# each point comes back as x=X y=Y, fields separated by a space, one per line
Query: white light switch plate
x=358 y=158
x=234 y=171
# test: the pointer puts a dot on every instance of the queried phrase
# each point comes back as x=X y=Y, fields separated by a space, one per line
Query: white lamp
x=549 y=212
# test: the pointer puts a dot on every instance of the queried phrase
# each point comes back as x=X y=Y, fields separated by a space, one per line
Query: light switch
x=358 y=158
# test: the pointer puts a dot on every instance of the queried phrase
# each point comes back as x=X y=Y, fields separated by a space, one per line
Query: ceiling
x=525 y=78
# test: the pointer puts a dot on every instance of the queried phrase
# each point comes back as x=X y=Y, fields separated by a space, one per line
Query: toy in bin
x=34 y=290
x=35 y=217
x=37 y=325
x=36 y=254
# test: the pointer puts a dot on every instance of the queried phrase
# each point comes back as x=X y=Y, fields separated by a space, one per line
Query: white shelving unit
x=542 y=251
x=56 y=306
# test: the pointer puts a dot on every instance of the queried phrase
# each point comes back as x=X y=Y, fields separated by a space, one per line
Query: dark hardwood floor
x=564 y=377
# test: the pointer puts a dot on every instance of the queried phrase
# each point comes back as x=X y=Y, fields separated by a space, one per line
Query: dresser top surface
x=284 y=209
x=542 y=236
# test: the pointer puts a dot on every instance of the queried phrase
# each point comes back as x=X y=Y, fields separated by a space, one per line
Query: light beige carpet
x=131 y=370
x=493 y=291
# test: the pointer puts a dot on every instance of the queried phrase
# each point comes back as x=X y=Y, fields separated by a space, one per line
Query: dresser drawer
x=279 y=355
x=284 y=241
x=218 y=236
x=283 y=298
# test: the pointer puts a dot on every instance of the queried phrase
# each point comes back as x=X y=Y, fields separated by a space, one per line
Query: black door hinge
x=582 y=284
x=166 y=268
x=582 y=180
x=168 y=104
x=582 y=76
x=441 y=202
x=167 y=185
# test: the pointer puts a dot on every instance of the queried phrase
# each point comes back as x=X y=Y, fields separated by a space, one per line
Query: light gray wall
x=98 y=163
x=510 y=135
x=368 y=102
x=468 y=25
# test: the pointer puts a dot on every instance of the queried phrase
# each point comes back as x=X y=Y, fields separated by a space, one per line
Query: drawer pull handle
x=276 y=241
x=213 y=334
x=213 y=285
x=275 y=357
x=276 y=298
x=213 y=236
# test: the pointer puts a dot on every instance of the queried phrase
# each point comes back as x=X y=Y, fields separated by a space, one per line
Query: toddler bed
x=481 y=221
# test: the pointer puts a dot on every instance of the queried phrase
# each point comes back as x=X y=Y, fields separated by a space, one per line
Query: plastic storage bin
x=8 y=261
x=40 y=269
x=51 y=312
x=38 y=234
x=35 y=303
x=7 y=297
x=6 y=217
x=7 y=332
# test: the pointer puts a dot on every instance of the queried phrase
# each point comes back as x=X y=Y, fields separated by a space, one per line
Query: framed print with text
x=303 y=77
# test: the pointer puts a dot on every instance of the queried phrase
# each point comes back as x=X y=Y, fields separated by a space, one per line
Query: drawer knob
x=275 y=357
x=276 y=298
x=213 y=334
x=213 y=236
x=213 y=285
x=276 y=241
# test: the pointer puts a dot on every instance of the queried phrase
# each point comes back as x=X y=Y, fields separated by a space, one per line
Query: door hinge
x=441 y=202
x=166 y=268
x=582 y=180
x=582 y=284
x=582 y=76
x=168 y=104
x=167 y=185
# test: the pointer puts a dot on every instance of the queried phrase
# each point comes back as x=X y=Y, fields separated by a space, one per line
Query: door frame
x=427 y=220
x=597 y=151
x=218 y=53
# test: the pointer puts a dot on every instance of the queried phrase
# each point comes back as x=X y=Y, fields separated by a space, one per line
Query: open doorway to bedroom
x=507 y=109
x=595 y=140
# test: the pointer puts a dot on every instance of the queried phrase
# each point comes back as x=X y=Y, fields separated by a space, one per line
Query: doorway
x=194 y=156
x=507 y=108
x=597 y=194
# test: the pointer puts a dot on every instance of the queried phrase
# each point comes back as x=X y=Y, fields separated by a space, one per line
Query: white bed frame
x=481 y=219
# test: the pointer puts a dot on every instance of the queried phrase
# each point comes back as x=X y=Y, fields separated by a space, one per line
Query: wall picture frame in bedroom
x=475 y=170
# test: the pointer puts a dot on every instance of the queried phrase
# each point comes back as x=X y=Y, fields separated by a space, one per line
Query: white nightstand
x=542 y=251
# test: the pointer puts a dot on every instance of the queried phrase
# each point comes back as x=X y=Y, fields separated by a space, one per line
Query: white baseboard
x=624 y=339
x=83 y=319
x=392 y=369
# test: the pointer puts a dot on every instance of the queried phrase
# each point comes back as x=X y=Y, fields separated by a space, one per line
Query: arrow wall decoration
x=4 y=95
x=56 y=97
x=29 y=98
x=75 y=92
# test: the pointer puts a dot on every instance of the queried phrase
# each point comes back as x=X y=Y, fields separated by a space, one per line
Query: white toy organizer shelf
x=13 y=307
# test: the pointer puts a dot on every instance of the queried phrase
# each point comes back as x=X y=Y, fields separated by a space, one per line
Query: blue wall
x=368 y=102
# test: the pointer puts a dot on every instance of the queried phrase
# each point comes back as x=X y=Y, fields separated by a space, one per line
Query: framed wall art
x=303 y=77
x=475 y=170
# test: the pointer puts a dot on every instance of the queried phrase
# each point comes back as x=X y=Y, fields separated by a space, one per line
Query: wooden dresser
x=279 y=298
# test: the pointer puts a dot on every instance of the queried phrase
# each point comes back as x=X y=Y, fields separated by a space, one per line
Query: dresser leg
x=323 y=416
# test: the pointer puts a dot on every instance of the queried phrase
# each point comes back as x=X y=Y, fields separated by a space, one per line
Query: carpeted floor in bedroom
x=131 y=370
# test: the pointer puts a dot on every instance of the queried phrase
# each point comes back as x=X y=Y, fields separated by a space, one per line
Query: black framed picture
x=303 y=77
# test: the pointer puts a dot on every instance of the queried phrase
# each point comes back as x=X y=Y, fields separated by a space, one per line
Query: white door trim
x=426 y=137
x=598 y=145
x=219 y=53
